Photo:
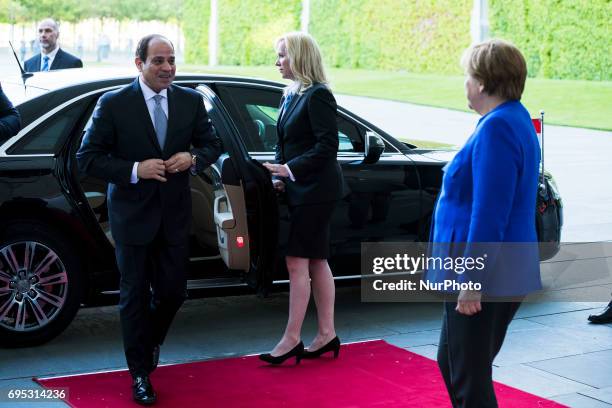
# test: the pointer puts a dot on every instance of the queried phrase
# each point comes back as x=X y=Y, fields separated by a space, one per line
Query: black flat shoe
x=142 y=391
x=604 y=317
x=333 y=345
x=296 y=352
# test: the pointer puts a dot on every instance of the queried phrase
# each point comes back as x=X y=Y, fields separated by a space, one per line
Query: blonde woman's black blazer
x=308 y=144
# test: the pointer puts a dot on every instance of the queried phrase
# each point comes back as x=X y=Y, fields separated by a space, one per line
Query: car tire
x=40 y=284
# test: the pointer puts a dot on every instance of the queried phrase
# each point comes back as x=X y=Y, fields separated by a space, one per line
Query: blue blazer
x=62 y=60
x=488 y=195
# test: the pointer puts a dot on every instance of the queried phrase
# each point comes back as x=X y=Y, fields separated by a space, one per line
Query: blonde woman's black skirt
x=309 y=230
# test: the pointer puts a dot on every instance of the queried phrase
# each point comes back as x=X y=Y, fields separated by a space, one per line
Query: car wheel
x=40 y=285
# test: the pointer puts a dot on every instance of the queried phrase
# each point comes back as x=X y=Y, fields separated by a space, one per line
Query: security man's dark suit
x=149 y=219
x=10 y=121
x=62 y=60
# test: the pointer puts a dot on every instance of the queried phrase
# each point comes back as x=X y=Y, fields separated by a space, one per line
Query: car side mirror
x=374 y=147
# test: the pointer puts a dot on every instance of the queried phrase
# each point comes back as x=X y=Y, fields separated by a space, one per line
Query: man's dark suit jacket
x=62 y=60
x=10 y=121
x=122 y=133
x=308 y=144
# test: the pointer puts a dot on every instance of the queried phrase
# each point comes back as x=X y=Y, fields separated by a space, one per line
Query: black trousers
x=468 y=345
x=152 y=289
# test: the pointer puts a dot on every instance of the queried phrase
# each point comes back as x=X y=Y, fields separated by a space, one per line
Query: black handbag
x=549 y=208
x=549 y=217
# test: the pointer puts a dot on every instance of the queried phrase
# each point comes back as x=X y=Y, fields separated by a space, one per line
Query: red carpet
x=370 y=374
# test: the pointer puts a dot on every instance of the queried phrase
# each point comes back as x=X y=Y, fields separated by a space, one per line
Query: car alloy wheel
x=33 y=286
x=41 y=282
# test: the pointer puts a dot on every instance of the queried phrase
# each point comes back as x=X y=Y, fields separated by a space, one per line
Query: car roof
x=44 y=82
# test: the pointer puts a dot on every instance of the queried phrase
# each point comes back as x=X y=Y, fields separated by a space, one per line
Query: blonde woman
x=308 y=171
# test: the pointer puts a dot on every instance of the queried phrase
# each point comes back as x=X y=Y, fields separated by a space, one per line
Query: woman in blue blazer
x=307 y=168
x=488 y=196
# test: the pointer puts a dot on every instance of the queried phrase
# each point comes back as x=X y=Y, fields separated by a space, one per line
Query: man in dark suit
x=10 y=121
x=51 y=55
x=140 y=142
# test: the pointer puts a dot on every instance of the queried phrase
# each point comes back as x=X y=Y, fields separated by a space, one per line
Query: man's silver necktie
x=160 y=121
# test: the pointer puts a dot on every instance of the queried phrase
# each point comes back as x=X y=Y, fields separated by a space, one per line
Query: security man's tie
x=45 y=66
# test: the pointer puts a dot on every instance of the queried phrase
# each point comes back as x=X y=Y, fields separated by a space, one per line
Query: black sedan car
x=56 y=250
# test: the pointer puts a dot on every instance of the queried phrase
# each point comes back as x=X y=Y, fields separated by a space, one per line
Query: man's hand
x=278 y=170
x=178 y=162
x=278 y=185
x=152 y=169
x=468 y=302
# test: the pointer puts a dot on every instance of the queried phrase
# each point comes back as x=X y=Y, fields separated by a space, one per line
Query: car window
x=255 y=113
x=48 y=137
x=350 y=136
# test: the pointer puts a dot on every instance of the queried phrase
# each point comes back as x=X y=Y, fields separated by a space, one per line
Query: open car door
x=244 y=205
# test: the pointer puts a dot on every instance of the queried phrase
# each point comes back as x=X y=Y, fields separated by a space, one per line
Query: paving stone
x=602 y=394
x=548 y=343
x=580 y=401
x=522 y=325
x=528 y=309
x=428 y=351
x=576 y=320
x=536 y=381
x=422 y=338
x=592 y=368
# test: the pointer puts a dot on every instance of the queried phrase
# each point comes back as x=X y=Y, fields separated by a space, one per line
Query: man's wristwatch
x=193 y=160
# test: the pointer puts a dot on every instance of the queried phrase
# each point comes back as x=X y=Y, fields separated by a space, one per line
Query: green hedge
x=195 y=26
x=568 y=39
x=416 y=36
x=565 y=39
x=247 y=29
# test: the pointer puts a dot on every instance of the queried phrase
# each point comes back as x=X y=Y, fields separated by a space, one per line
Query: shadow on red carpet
x=369 y=374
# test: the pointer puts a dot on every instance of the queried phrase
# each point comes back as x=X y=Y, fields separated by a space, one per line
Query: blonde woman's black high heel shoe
x=333 y=345
x=296 y=352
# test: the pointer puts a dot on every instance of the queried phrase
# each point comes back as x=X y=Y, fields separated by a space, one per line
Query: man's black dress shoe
x=333 y=345
x=142 y=391
x=296 y=352
x=603 y=317
x=154 y=358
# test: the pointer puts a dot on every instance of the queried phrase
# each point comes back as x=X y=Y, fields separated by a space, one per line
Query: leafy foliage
x=415 y=36
x=247 y=29
x=568 y=39
x=76 y=10
x=195 y=27
x=420 y=36
x=565 y=39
